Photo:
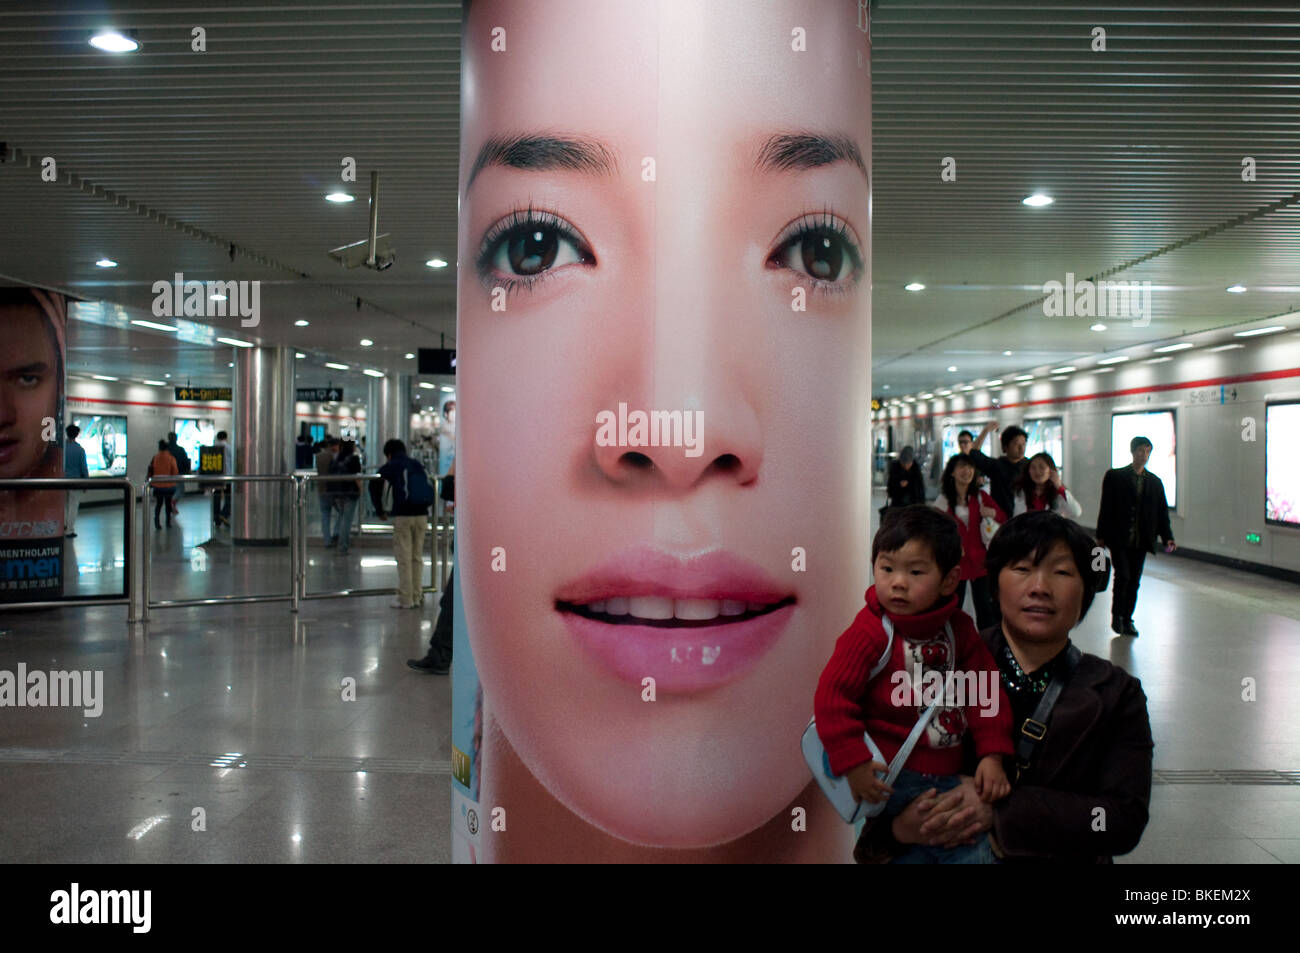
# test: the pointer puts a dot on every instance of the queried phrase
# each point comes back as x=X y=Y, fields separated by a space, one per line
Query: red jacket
x=972 y=546
x=846 y=704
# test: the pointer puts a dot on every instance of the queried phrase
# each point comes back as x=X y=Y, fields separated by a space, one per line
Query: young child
x=916 y=558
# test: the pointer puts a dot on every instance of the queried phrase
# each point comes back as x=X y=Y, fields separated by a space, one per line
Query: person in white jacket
x=1040 y=488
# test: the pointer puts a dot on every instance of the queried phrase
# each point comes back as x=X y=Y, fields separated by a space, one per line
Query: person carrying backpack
x=404 y=482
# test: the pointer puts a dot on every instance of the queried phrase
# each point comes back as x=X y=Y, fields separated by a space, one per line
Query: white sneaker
x=398 y=604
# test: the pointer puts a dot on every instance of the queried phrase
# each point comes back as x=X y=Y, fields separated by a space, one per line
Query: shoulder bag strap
x=1035 y=726
x=900 y=759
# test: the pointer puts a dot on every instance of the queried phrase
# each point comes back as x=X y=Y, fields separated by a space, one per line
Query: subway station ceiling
x=168 y=156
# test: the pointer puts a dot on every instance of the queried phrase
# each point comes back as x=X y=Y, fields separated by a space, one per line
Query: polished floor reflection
x=237 y=715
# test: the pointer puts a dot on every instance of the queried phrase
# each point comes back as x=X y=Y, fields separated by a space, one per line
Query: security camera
x=358 y=254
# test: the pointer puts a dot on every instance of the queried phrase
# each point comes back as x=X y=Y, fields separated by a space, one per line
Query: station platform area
x=238 y=710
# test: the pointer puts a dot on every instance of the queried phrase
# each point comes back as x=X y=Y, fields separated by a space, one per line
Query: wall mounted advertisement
x=32 y=326
x=663 y=443
x=104 y=440
x=1158 y=427
x=1282 y=464
x=1047 y=435
x=193 y=433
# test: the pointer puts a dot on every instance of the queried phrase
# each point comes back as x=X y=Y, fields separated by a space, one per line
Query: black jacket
x=900 y=495
x=1086 y=796
x=1118 y=499
x=1002 y=473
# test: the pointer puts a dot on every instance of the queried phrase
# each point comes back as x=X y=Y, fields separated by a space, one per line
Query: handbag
x=835 y=786
x=988 y=525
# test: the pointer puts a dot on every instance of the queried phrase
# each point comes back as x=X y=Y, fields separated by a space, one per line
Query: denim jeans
x=326 y=509
x=908 y=786
x=345 y=509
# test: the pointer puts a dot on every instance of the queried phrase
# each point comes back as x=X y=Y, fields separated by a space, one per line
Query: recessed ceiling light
x=300 y=355
x=996 y=383
x=235 y=342
x=154 y=325
x=231 y=364
x=944 y=393
x=886 y=387
x=1104 y=370
x=366 y=342
x=1235 y=289
x=168 y=376
x=1250 y=334
x=1064 y=370
x=1173 y=347
x=106 y=263
x=410 y=356
x=1037 y=200
x=110 y=41
x=427 y=386
x=966 y=387
x=914 y=286
x=1157 y=360
x=369 y=373
x=1113 y=360
x=156 y=383
x=1059 y=377
x=1007 y=353
x=952 y=368
x=301 y=323
x=1225 y=347
x=339 y=197
x=436 y=263
x=447 y=387
x=1098 y=327
x=1025 y=377
x=337 y=367
x=101 y=377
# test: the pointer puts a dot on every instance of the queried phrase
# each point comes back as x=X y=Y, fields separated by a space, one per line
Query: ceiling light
x=366 y=342
x=996 y=383
x=1098 y=327
x=1225 y=347
x=301 y=323
x=1104 y=370
x=1007 y=353
x=927 y=397
x=410 y=356
x=231 y=364
x=1172 y=347
x=1271 y=330
x=966 y=388
x=952 y=368
x=1157 y=360
x=369 y=373
x=1064 y=370
x=1236 y=289
x=101 y=377
x=299 y=356
x=1060 y=377
x=168 y=376
x=1037 y=200
x=914 y=286
x=339 y=197
x=436 y=263
x=1113 y=360
x=1025 y=377
x=427 y=386
x=235 y=342
x=156 y=383
x=944 y=393
x=106 y=263
x=337 y=367
x=155 y=326
x=110 y=41
x=447 y=387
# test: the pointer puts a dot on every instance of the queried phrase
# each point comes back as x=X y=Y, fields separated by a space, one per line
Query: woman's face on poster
x=665 y=208
x=29 y=390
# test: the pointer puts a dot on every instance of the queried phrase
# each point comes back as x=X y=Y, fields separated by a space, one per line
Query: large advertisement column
x=662 y=465
x=32 y=329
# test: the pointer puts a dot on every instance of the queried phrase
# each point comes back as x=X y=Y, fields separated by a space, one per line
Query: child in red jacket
x=916 y=560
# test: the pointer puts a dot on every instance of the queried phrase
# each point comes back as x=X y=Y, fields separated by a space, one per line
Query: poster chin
x=663 y=335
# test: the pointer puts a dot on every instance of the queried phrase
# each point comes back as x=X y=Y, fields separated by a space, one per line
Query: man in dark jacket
x=1134 y=511
x=905 y=485
x=1006 y=469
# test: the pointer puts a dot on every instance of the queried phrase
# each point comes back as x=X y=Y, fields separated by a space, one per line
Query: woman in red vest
x=958 y=491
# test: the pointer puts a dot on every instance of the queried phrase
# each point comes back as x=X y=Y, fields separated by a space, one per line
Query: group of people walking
x=1133 y=516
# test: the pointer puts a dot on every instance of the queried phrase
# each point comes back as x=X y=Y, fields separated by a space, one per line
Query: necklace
x=1021 y=683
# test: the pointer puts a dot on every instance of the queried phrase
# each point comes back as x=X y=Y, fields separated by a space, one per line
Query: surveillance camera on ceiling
x=358 y=254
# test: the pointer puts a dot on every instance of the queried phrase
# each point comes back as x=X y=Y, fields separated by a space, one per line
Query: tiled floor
x=238 y=711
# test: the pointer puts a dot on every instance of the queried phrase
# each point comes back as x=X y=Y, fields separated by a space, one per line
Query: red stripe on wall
x=145 y=403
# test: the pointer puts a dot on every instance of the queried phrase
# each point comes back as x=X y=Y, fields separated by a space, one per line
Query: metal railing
x=128 y=526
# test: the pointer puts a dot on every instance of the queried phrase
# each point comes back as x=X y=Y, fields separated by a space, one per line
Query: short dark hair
x=162 y=444
x=172 y=436
x=1139 y=441
x=394 y=448
x=919 y=521
x=72 y=430
x=1031 y=535
x=221 y=435
x=965 y=433
x=1011 y=433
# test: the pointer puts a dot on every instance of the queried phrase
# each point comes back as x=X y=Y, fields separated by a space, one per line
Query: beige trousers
x=408 y=547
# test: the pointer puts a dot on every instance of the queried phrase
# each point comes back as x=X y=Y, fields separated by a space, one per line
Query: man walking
x=1006 y=469
x=411 y=494
x=221 y=492
x=74 y=468
x=325 y=457
x=183 y=468
x=1134 y=511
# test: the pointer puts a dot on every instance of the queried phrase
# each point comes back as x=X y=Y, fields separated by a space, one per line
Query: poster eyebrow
x=539 y=153
x=798 y=151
